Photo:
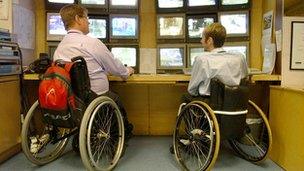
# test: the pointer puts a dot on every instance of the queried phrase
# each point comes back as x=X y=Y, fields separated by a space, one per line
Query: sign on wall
x=297 y=45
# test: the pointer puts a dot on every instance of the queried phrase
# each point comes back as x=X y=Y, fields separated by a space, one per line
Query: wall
x=8 y=23
x=24 y=28
x=293 y=78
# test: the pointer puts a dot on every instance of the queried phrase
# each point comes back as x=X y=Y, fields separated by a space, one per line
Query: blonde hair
x=217 y=32
x=69 y=12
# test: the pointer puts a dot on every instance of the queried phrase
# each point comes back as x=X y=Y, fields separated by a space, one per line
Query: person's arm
x=110 y=64
x=198 y=75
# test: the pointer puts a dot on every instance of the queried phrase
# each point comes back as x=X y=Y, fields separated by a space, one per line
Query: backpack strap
x=68 y=66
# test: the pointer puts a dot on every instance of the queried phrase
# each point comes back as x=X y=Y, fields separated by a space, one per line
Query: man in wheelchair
x=100 y=61
x=227 y=67
x=217 y=107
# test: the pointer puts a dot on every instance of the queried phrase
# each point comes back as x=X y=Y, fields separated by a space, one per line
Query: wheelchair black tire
x=54 y=154
x=239 y=146
x=214 y=145
x=86 y=130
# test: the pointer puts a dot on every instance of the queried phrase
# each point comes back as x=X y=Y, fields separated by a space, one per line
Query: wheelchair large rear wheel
x=38 y=139
x=101 y=137
x=196 y=138
x=256 y=142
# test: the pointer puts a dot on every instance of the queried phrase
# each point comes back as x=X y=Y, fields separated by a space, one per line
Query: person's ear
x=77 y=19
x=210 y=41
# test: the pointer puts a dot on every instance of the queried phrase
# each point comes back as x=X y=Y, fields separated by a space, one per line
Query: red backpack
x=56 y=97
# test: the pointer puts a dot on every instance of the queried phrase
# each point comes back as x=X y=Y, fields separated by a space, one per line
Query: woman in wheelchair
x=103 y=126
x=217 y=107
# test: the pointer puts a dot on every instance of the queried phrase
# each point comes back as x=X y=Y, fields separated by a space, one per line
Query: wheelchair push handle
x=78 y=58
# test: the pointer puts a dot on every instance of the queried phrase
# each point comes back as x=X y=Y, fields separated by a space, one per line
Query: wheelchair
x=227 y=115
x=99 y=124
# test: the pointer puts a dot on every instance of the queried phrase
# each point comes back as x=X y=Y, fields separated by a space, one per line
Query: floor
x=143 y=154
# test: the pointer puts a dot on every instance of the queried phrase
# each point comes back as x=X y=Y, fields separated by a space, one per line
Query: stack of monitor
x=180 y=24
x=114 y=22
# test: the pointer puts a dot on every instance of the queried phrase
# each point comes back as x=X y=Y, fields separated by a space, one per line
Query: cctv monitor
x=123 y=27
x=238 y=47
x=167 y=6
x=95 y=6
x=55 y=27
x=195 y=6
x=234 y=4
x=127 y=54
x=193 y=51
x=196 y=25
x=171 y=26
x=236 y=23
x=171 y=56
x=123 y=6
x=98 y=27
x=57 y=4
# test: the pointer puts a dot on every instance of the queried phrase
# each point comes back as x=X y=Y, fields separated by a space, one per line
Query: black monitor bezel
x=136 y=68
x=197 y=40
x=91 y=16
x=170 y=10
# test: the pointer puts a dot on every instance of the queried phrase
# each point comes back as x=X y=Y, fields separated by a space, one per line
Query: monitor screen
x=123 y=2
x=236 y=49
x=170 y=3
x=98 y=28
x=55 y=27
x=193 y=53
x=234 y=2
x=171 y=57
x=93 y=2
x=235 y=23
x=196 y=3
x=124 y=26
x=127 y=55
x=197 y=25
x=62 y=1
x=171 y=26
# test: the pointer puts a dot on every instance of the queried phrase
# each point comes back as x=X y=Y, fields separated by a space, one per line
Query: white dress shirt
x=229 y=68
x=100 y=61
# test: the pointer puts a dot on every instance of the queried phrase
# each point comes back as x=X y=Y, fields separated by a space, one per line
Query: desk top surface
x=165 y=78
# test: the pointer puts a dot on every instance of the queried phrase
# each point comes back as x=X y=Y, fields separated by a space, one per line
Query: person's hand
x=130 y=70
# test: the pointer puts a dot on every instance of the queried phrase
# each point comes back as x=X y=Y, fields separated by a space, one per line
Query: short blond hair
x=217 y=32
x=68 y=13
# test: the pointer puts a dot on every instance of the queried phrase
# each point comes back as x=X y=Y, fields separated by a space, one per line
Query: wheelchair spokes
x=194 y=138
x=256 y=141
x=38 y=138
x=101 y=135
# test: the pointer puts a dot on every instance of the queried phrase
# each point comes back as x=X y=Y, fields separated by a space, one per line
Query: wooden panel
x=9 y=115
x=286 y=121
x=135 y=101
x=164 y=102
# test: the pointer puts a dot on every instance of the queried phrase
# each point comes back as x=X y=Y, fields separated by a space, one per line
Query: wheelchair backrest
x=228 y=98
x=80 y=79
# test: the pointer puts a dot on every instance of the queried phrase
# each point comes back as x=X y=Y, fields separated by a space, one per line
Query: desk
x=152 y=100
